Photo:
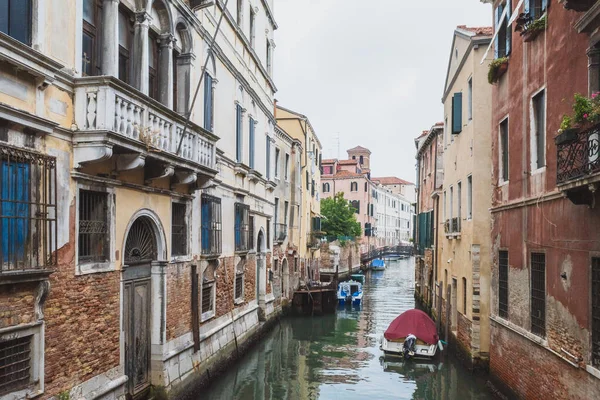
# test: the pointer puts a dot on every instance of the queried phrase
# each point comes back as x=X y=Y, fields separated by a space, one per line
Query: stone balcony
x=115 y=120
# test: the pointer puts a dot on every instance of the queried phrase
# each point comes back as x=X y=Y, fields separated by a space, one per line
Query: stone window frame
x=212 y=283
x=240 y=271
x=96 y=267
x=188 y=221
x=36 y=329
x=533 y=144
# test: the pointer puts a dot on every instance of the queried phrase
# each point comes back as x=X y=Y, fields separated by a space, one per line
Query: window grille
x=503 y=283
x=94 y=236
x=211 y=225
x=207 y=297
x=178 y=230
x=241 y=227
x=27 y=210
x=538 y=294
x=596 y=312
x=504 y=149
x=15 y=364
x=239 y=286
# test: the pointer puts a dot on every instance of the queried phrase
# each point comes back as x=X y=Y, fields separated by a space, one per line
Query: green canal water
x=338 y=356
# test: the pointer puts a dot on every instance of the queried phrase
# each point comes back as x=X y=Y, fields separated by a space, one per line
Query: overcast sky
x=370 y=72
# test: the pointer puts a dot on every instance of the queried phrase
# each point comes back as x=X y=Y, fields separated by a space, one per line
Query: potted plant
x=586 y=112
x=534 y=28
x=497 y=68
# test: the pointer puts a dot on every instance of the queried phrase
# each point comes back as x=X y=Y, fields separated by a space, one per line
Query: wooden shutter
x=497 y=26
x=251 y=144
x=544 y=5
x=268 y=158
x=508 y=27
x=238 y=133
x=207 y=102
x=457 y=113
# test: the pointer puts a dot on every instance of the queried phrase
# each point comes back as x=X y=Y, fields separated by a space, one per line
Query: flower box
x=498 y=68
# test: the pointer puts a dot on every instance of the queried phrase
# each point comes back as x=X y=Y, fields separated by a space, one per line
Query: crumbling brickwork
x=179 y=300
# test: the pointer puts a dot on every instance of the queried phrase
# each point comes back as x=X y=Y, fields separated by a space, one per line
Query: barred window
x=178 y=230
x=211 y=225
x=538 y=294
x=15 y=364
x=241 y=227
x=239 y=286
x=503 y=283
x=93 y=244
x=27 y=210
x=207 y=297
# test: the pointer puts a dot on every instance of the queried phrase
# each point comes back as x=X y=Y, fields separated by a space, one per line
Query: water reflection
x=338 y=356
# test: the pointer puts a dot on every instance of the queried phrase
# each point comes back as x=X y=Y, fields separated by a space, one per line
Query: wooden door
x=136 y=319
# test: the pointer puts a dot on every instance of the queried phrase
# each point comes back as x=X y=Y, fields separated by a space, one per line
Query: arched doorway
x=285 y=282
x=139 y=253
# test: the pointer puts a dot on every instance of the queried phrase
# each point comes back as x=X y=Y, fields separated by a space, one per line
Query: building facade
x=430 y=177
x=398 y=221
x=135 y=243
x=299 y=128
x=463 y=257
x=545 y=244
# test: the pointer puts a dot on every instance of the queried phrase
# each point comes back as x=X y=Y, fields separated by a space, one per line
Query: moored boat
x=411 y=334
x=378 y=264
x=350 y=291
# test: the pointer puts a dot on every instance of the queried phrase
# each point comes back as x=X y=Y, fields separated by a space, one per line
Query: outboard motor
x=408 y=348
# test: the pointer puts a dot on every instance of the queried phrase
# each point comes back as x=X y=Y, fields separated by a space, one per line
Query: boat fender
x=440 y=346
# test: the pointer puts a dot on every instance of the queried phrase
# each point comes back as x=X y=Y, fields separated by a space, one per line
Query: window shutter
x=207 y=101
x=238 y=134
x=457 y=113
x=496 y=21
x=268 y=157
x=526 y=6
x=508 y=27
x=251 y=144
x=544 y=5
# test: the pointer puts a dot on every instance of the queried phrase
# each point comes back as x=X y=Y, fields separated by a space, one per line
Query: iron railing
x=387 y=251
x=280 y=232
x=28 y=210
x=456 y=225
x=452 y=226
x=578 y=154
x=313 y=240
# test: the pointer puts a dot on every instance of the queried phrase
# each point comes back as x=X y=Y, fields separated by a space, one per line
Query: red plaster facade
x=530 y=215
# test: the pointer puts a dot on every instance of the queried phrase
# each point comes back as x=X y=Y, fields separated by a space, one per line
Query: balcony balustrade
x=121 y=116
x=578 y=163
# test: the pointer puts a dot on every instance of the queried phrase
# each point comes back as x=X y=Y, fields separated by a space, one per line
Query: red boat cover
x=412 y=321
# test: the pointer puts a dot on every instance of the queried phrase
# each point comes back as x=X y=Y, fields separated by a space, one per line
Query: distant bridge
x=388 y=251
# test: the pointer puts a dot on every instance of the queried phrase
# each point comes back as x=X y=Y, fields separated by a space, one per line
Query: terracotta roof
x=478 y=30
x=348 y=162
x=391 y=180
x=359 y=148
x=328 y=161
x=347 y=174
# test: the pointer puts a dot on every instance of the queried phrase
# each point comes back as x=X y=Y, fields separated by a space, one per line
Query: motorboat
x=411 y=335
x=350 y=291
x=358 y=277
x=378 y=264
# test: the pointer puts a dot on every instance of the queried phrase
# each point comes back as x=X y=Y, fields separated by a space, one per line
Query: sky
x=369 y=72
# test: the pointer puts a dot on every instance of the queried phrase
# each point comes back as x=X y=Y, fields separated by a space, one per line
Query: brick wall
x=82 y=323
x=179 y=300
x=250 y=278
x=464 y=332
x=17 y=304
x=534 y=373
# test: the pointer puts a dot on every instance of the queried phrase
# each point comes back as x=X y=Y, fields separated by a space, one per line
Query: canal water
x=338 y=356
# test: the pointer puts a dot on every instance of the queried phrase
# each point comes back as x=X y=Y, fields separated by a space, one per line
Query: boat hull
x=426 y=351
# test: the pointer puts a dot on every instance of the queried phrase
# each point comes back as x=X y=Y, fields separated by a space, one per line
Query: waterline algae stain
x=338 y=356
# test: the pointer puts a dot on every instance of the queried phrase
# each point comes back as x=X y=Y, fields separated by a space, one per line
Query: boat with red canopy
x=411 y=334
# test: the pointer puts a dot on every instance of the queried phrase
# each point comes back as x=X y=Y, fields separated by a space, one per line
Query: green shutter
x=457 y=113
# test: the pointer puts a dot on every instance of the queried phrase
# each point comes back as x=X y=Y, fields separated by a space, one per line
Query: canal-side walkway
x=338 y=356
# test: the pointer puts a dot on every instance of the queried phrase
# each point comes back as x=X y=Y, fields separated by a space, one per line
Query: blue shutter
x=14 y=211
x=508 y=27
x=457 y=113
x=238 y=227
x=496 y=21
x=526 y=6
x=251 y=144
x=544 y=5
x=238 y=133
x=208 y=102
x=205 y=223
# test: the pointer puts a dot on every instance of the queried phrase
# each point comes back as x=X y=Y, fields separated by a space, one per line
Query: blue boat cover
x=377 y=263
